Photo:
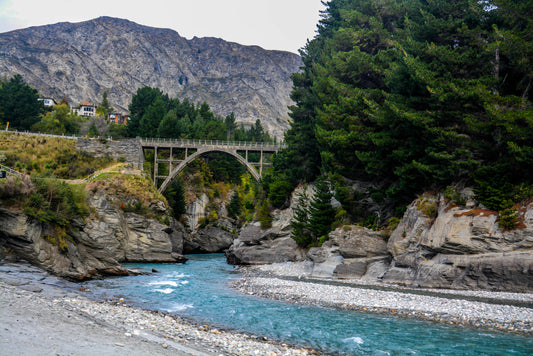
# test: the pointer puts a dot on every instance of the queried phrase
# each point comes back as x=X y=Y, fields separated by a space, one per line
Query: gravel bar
x=44 y=315
x=480 y=309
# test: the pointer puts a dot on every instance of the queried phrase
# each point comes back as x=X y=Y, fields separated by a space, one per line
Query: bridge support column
x=155 y=165
x=170 y=161
x=261 y=164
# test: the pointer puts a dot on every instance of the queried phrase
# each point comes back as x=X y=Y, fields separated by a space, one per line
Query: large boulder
x=256 y=246
x=351 y=252
x=441 y=245
x=210 y=239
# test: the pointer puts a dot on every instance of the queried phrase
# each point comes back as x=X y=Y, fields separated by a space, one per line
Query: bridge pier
x=201 y=147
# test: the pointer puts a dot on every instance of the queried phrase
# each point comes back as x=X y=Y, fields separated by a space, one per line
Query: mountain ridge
x=80 y=61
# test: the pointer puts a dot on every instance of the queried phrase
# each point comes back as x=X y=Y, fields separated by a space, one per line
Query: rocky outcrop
x=256 y=246
x=196 y=210
x=80 y=61
x=351 y=252
x=85 y=258
x=93 y=248
x=131 y=237
x=461 y=247
x=436 y=245
x=211 y=239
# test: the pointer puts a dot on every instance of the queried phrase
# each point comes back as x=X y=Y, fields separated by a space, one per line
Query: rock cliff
x=96 y=247
x=80 y=61
x=461 y=247
x=437 y=244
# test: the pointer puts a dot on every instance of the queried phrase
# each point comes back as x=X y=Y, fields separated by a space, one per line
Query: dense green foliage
x=263 y=215
x=154 y=114
x=60 y=120
x=56 y=202
x=235 y=206
x=175 y=196
x=19 y=104
x=415 y=95
x=313 y=219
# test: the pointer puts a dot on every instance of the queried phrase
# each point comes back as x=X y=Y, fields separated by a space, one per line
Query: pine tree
x=300 y=231
x=234 y=208
x=263 y=215
x=104 y=108
x=175 y=196
x=321 y=212
x=19 y=104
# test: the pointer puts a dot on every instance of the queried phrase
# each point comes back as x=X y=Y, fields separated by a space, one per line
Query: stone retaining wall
x=129 y=149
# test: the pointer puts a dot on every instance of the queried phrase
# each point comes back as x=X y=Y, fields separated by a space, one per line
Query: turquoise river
x=199 y=290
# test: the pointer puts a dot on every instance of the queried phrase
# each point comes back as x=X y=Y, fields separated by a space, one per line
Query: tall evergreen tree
x=152 y=118
x=300 y=223
x=321 y=212
x=235 y=206
x=416 y=94
x=19 y=104
x=143 y=98
x=104 y=108
x=175 y=196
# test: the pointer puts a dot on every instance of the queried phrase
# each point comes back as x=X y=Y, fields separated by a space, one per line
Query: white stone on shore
x=445 y=306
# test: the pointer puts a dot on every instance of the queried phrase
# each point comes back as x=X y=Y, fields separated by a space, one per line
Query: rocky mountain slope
x=80 y=61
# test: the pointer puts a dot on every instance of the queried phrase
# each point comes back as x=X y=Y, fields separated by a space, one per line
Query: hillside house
x=118 y=118
x=48 y=102
x=85 y=109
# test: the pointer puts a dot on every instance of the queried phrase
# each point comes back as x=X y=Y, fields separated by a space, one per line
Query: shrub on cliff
x=56 y=202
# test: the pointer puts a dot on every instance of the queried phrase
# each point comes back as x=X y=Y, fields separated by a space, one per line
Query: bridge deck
x=211 y=144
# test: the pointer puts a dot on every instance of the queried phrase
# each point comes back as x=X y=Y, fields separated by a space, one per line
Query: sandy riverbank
x=481 y=309
x=43 y=315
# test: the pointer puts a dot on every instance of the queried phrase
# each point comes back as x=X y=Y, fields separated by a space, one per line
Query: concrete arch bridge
x=177 y=154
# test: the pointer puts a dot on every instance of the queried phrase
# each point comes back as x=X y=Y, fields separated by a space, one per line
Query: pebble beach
x=45 y=315
x=288 y=282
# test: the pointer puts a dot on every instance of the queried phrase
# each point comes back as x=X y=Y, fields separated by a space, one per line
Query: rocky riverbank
x=45 y=315
x=481 y=309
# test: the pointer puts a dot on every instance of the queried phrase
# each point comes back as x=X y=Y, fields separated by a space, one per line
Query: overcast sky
x=271 y=24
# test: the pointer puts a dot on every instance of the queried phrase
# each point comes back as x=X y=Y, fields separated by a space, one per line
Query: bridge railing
x=70 y=137
x=11 y=171
x=212 y=143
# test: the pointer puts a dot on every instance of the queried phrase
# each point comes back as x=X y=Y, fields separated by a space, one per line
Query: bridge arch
x=200 y=152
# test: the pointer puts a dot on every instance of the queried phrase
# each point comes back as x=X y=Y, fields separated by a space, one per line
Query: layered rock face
x=96 y=247
x=454 y=247
x=82 y=60
x=351 y=252
x=85 y=258
x=461 y=247
x=437 y=244
x=130 y=237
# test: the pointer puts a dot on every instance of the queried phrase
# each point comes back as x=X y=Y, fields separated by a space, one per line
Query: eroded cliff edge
x=93 y=248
